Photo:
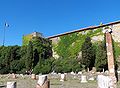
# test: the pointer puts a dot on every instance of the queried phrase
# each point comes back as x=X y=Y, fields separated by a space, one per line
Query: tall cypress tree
x=101 y=57
x=87 y=53
x=29 y=57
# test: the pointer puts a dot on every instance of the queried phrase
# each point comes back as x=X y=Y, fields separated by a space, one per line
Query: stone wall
x=55 y=40
x=96 y=38
x=116 y=32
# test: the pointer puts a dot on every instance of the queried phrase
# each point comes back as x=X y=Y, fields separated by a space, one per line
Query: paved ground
x=27 y=82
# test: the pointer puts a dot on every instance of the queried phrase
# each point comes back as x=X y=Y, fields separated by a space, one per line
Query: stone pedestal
x=33 y=76
x=11 y=85
x=43 y=82
x=72 y=73
x=83 y=79
x=63 y=77
x=91 y=78
x=103 y=81
x=80 y=72
x=13 y=76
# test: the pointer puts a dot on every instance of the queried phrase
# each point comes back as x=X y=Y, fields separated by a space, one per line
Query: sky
x=52 y=17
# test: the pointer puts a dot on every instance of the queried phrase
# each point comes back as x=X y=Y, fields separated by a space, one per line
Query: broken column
x=13 y=75
x=63 y=77
x=83 y=78
x=33 y=76
x=11 y=85
x=43 y=82
x=110 y=57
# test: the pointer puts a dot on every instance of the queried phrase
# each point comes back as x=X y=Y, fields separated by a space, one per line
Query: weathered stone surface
x=83 y=79
x=97 y=38
x=42 y=79
x=91 y=79
x=103 y=81
x=80 y=72
x=11 y=84
x=13 y=76
x=33 y=76
x=63 y=77
x=55 y=40
x=116 y=32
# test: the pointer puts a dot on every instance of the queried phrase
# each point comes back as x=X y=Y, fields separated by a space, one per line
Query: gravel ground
x=27 y=82
x=72 y=84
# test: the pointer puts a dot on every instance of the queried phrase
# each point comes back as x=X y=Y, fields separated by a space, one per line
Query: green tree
x=2 y=55
x=58 y=66
x=35 y=57
x=29 y=57
x=19 y=59
x=43 y=66
x=88 y=55
x=14 y=58
x=43 y=46
x=101 y=57
x=15 y=52
x=7 y=60
x=63 y=65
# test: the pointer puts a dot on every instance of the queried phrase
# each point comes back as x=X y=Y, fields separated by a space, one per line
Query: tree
x=43 y=47
x=35 y=57
x=101 y=57
x=29 y=57
x=58 y=65
x=15 y=52
x=19 y=59
x=2 y=55
x=88 y=56
x=43 y=66
x=6 y=60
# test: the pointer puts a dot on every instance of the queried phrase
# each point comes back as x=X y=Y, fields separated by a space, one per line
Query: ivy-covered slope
x=69 y=45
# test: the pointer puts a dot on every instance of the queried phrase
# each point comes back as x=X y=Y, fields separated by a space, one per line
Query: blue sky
x=52 y=17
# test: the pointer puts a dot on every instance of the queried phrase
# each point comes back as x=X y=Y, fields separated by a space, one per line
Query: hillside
x=69 y=46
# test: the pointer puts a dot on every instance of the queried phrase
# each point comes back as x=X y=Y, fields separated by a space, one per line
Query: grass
x=27 y=82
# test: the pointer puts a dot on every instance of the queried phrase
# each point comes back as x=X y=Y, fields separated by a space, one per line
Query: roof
x=83 y=29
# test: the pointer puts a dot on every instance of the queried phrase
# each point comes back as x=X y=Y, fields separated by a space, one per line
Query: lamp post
x=110 y=56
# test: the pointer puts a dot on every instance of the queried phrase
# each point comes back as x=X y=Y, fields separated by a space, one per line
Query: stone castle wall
x=115 y=36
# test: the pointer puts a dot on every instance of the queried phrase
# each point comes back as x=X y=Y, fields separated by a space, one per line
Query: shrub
x=43 y=66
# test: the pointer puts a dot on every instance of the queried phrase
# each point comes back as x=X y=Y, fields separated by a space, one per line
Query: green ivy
x=116 y=47
x=70 y=45
x=26 y=39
